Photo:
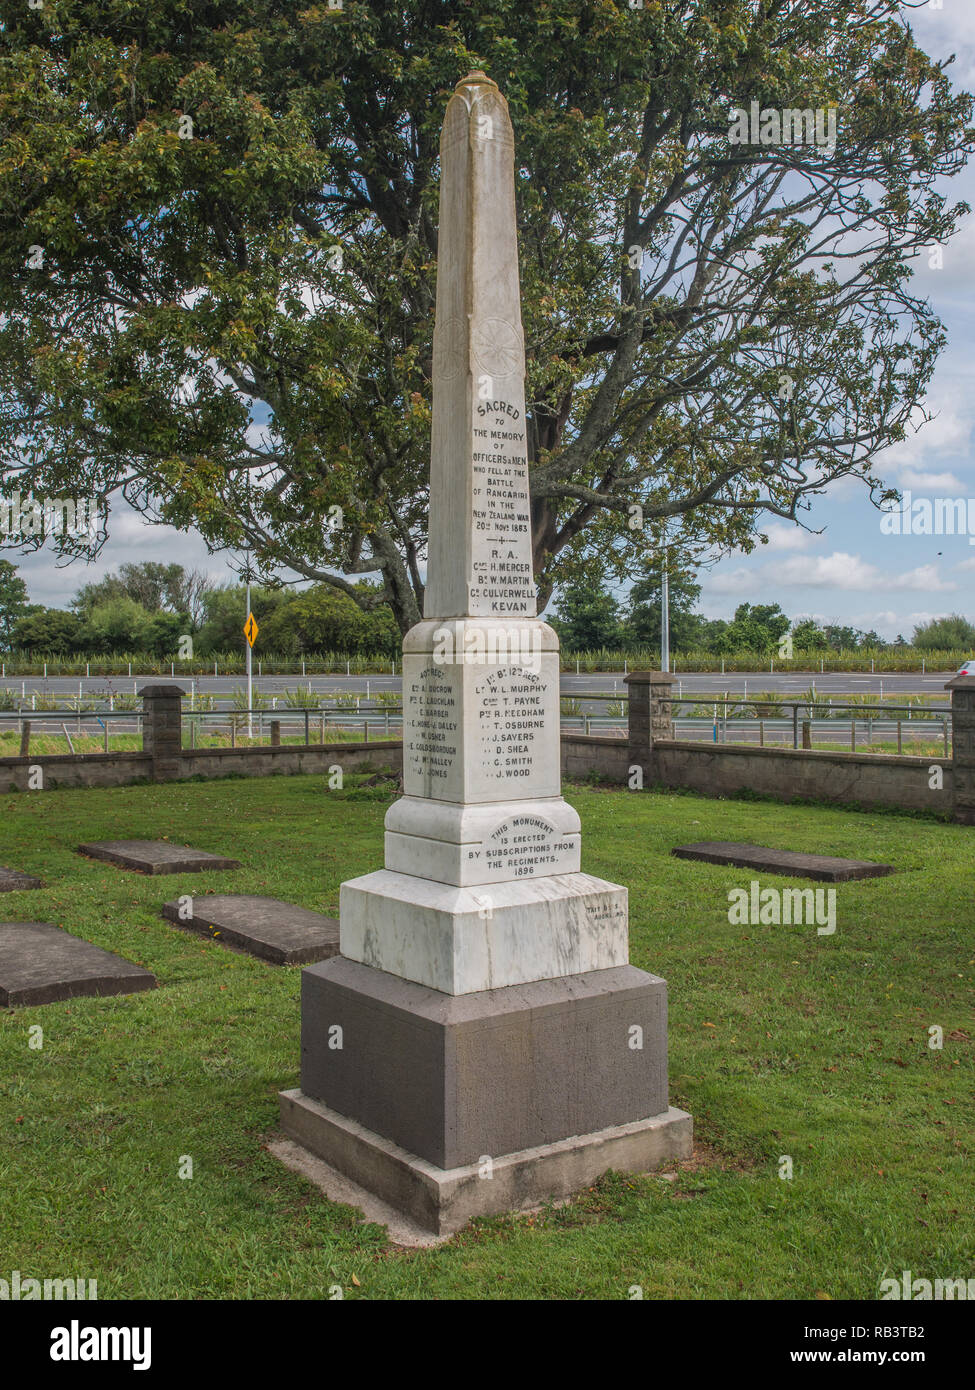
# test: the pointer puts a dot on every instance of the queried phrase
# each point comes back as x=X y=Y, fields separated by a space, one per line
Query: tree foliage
x=945 y=634
x=218 y=252
x=13 y=601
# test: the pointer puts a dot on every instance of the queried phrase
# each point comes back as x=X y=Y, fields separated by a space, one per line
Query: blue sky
x=850 y=572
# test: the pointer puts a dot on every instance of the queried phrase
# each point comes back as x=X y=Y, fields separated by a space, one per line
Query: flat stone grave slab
x=156 y=856
x=825 y=867
x=41 y=964
x=264 y=927
x=13 y=881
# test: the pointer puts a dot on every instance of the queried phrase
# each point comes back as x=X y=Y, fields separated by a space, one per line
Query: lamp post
x=250 y=658
x=664 y=611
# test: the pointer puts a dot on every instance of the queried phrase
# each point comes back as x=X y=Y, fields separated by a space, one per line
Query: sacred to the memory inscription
x=501 y=579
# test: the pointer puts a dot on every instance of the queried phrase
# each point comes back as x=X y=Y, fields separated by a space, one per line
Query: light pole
x=664 y=613
x=250 y=658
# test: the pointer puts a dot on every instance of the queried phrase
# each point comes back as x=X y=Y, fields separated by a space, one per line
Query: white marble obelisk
x=483 y=1004
x=482 y=885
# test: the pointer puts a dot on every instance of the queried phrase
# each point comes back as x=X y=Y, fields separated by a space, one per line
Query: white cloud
x=837 y=571
x=739 y=581
x=783 y=536
x=925 y=579
x=943 y=484
x=947 y=433
x=840 y=570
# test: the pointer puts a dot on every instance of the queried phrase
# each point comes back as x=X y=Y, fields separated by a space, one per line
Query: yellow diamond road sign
x=251 y=629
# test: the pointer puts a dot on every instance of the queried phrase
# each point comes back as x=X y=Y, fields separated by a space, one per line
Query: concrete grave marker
x=824 y=867
x=483 y=1003
x=264 y=927
x=155 y=856
x=13 y=881
x=41 y=964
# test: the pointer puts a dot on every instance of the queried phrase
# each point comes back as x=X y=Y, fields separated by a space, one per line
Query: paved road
x=611 y=682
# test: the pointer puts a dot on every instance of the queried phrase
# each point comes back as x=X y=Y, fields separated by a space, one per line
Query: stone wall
x=585 y=755
x=861 y=779
x=74 y=770
x=963 y=746
x=118 y=769
x=286 y=759
x=789 y=774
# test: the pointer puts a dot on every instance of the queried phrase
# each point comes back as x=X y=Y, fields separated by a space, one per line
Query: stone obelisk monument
x=482 y=1042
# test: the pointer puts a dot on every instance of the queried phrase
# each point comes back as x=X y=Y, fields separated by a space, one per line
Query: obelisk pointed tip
x=476 y=78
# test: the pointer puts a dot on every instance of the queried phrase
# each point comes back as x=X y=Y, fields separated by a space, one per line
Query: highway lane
x=605 y=682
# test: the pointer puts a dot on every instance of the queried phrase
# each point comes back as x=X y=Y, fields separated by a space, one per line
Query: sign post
x=250 y=632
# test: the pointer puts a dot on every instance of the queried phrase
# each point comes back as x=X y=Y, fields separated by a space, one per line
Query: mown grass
x=782 y=1042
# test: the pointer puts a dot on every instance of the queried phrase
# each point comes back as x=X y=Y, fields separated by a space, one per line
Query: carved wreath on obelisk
x=497 y=348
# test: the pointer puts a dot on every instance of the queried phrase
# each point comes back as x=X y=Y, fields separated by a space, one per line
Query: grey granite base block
x=445 y=1200
x=823 y=867
x=264 y=927
x=13 y=881
x=156 y=856
x=453 y=1077
x=41 y=964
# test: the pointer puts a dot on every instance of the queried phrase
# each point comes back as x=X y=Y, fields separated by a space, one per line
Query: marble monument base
x=445 y=1200
x=462 y=940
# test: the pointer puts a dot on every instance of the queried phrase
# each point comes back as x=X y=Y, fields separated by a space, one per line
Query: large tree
x=218 y=240
x=154 y=586
x=13 y=601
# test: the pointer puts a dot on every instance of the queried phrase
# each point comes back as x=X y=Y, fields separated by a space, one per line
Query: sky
x=843 y=569
x=851 y=573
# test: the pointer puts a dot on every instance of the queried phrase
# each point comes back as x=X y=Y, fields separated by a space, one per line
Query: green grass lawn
x=782 y=1042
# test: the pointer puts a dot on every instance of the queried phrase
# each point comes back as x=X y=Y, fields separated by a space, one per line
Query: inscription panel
x=514 y=718
x=481 y=732
x=528 y=847
x=432 y=729
x=501 y=580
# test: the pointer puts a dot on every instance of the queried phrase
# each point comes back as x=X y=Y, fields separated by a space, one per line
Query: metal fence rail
x=729 y=720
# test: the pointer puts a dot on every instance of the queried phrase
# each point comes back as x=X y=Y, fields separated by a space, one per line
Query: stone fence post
x=162 y=729
x=649 y=719
x=963 y=747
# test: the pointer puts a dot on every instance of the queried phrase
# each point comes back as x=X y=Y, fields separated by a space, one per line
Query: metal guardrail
x=807 y=713
x=303 y=719
x=866 y=723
